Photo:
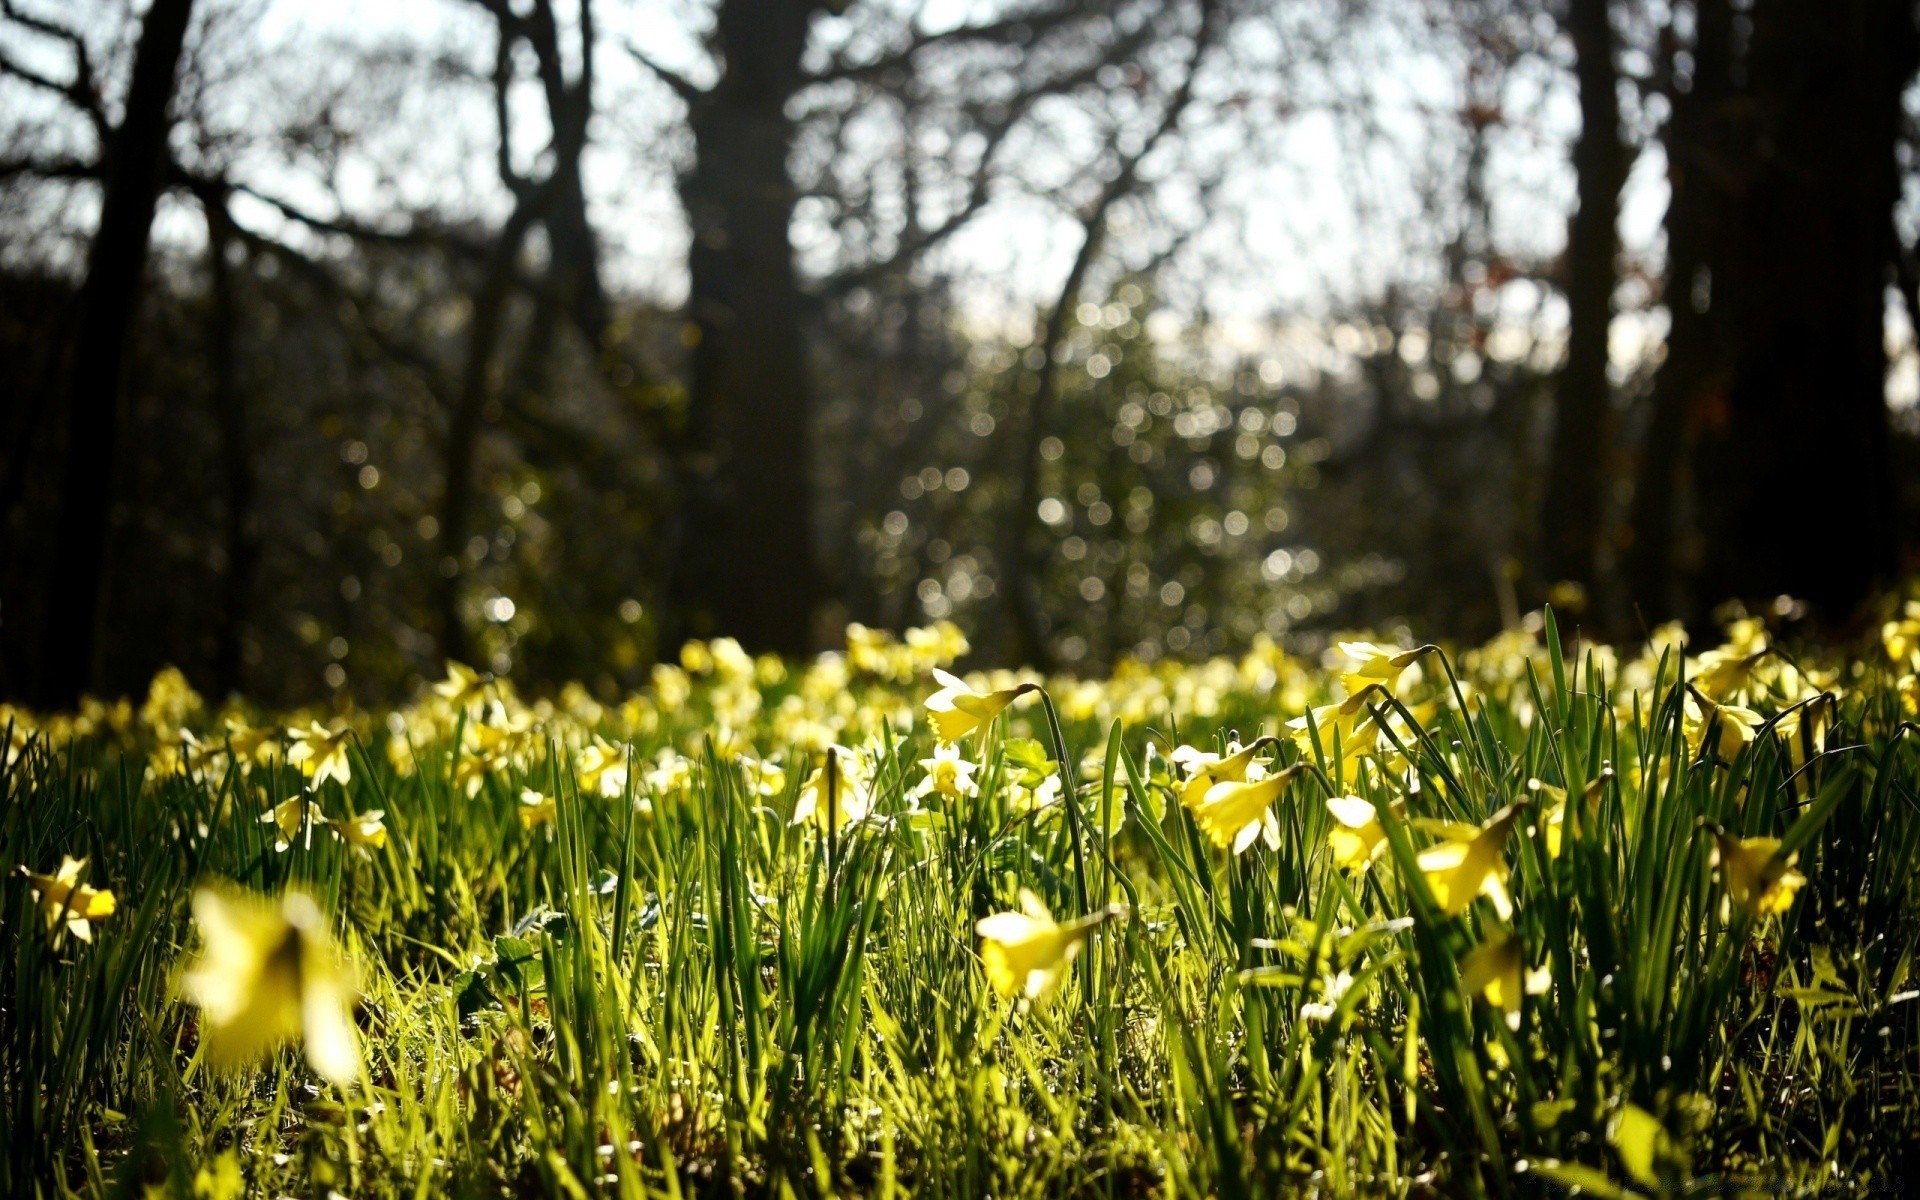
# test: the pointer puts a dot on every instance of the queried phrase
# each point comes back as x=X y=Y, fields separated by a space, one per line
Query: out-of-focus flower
x=365 y=831
x=764 y=779
x=294 y=819
x=1026 y=953
x=1459 y=869
x=268 y=974
x=839 y=793
x=1356 y=837
x=1901 y=637
x=62 y=897
x=1497 y=971
x=537 y=809
x=320 y=753
x=462 y=686
x=956 y=710
x=1756 y=875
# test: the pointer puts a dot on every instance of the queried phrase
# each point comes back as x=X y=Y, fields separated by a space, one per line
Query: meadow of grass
x=1532 y=918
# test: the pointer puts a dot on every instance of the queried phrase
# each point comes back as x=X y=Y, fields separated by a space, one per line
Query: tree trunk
x=1792 y=478
x=745 y=561
x=116 y=264
x=1701 y=168
x=1577 y=482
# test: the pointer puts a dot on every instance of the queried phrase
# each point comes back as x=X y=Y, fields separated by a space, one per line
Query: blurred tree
x=1790 y=457
x=746 y=560
x=1578 y=468
x=135 y=160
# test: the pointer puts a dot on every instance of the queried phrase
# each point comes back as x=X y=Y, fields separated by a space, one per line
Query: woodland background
x=337 y=341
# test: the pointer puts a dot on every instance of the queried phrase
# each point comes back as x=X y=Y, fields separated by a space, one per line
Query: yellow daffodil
x=1731 y=726
x=956 y=710
x=1356 y=837
x=1462 y=868
x=320 y=753
x=268 y=974
x=294 y=820
x=462 y=686
x=366 y=831
x=62 y=897
x=1382 y=665
x=1235 y=813
x=1902 y=637
x=1026 y=953
x=764 y=779
x=839 y=793
x=1497 y=972
x=537 y=809
x=1349 y=724
x=1756 y=875
x=1204 y=768
x=948 y=774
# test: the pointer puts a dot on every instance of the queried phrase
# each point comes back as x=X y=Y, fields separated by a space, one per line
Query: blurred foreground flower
x=1497 y=972
x=1757 y=876
x=956 y=710
x=62 y=897
x=269 y=974
x=1026 y=953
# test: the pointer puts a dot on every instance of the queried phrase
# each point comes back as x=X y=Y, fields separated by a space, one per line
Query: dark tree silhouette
x=1791 y=466
x=136 y=159
x=1577 y=469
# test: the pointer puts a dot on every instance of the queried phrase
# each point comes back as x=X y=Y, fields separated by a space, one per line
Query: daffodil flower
x=1204 y=768
x=537 y=809
x=320 y=753
x=956 y=710
x=62 y=897
x=1902 y=637
x=1497 y=971
x=1382 y=665
x=1234 y=814
x=1756 y=875
x=268 y=974
x=1356 y=837
x=839 y=793
x=1462 y=868
x=294 y=819
x=1026 y=953
x=462 y=686
x=1732 y=726
x=948 y=774
x=366 y=831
